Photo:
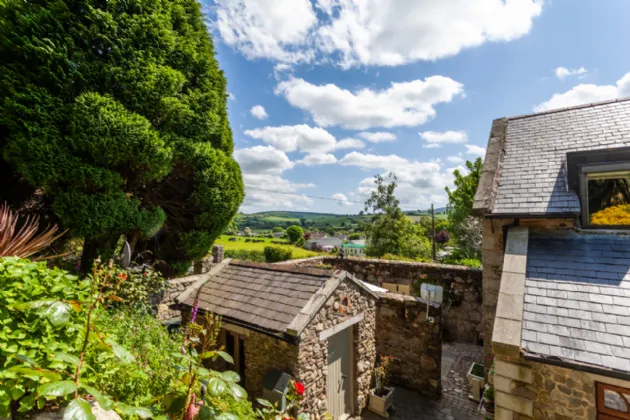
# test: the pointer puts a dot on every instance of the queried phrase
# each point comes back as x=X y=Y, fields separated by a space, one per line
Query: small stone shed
x=556 y=284
x=317 y=325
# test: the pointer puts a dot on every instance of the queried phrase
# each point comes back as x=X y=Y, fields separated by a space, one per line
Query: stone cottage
x=316 y=325
x=554 y=196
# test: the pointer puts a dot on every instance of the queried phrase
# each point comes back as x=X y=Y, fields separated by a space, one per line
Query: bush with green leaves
x=147 y=340
x=35 y=331
x=276 y=254
x=113 y=119
x=245 y=255
x=52 y=324
x=294 y=233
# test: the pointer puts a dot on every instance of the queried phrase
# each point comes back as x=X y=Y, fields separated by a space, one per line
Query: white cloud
x=369 y=32
x=290 y=138
x=318 y=159
x=458 y=160
x=587 y=93
x=371 y=161
x=342 y=200
x=472 y=149
x=402 y=104
x=285 y=193
x=436 y=139
x=562 y=72
x=258 y=111
x=377 y=137
x=350 y=143
x=231 y=96
x=419 y=183
x=276 y=30
x=262 y=159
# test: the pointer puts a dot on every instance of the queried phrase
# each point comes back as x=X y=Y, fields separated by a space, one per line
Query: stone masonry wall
x=313 y=353
x=173 y=289
x=462 y=321
x=263 y=352
x=415 y=343
x=492 y=260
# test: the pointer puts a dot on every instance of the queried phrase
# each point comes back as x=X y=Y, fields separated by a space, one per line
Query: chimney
x=217 y=254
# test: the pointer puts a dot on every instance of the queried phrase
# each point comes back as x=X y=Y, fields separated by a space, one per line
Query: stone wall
x=415 y=343
x=346 y=302
x=173 y=289
x=262 y=353
x=462 y=321
x=526 y=389
x=493 y=248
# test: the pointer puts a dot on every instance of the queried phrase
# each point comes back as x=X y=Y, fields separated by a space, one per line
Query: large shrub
x=153 y=372
x=245 y=255
x=36 y=332
x=113 y=121
x=294 y=233
x=276 y=254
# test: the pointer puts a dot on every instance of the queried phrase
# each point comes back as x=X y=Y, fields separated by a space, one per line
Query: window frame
x=598 y=168
x=605 y=413
x=581 y=163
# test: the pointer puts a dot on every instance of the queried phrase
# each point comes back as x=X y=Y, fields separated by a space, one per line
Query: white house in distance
x=354 y=248
x=324 y=244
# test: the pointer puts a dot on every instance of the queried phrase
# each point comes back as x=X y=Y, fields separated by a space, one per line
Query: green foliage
x=245 y=255
x=299 y=242
x=354 y=236
x=276 y=254
x=38 y=321
x=294 y=233
x=116 y=112
x=153 y=371
x=402 y=258
x=390 y=231
x=138 y=288
x=278 y=229
x=459 y=209
x=469 y=262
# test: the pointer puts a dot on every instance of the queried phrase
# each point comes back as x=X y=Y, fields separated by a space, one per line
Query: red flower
x=286 y=418
x=299 y=388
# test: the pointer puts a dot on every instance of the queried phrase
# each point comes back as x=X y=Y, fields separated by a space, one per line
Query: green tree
x=459 y=208
x=294 y=233
x=113 y=121
x=278 y=229
x=389 y=231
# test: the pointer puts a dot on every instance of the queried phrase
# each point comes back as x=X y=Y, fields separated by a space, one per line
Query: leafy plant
x=276 y=254
x=382 y=373
x=245 y=255
x=294 y=233
x=151 y=345
x=268 y=411
x=57 y=370
x=196 y=387
x=23 y=238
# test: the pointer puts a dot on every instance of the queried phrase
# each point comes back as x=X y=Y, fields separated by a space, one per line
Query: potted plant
x=382 y=395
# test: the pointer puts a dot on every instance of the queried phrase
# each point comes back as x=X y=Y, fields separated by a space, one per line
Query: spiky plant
x=22 y=240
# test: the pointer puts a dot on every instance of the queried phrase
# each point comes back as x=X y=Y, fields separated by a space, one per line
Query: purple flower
x=183 y=350
x=194 y=311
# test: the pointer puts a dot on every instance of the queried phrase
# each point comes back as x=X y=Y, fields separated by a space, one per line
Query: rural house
x=316 y=325
x=554 y=196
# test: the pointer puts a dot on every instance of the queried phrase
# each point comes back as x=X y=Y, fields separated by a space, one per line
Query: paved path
x=454 y=403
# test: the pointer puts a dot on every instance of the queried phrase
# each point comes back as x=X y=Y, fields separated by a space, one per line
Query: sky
x=326 y=94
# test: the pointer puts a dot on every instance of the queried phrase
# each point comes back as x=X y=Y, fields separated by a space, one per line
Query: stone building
x=316 y=325
x=554 y=199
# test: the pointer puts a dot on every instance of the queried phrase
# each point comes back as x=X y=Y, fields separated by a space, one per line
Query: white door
x=339 y=383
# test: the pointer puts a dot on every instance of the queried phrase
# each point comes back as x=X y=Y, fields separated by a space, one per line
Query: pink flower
x=194 y=311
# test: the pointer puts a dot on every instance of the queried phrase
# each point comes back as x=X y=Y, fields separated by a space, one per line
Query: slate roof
x=532 y=177
x=577 y=298
x=276 y=299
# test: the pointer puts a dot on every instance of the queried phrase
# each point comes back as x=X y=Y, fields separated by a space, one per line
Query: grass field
x=240 y=244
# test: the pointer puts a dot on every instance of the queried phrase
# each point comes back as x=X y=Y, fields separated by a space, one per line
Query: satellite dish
x=125 y=257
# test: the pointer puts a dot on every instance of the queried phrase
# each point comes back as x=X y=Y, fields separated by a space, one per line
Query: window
x=605 y=195
x=613 y=402
x=601 y=178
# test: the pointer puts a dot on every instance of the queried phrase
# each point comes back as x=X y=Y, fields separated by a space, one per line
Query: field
x=240 y=244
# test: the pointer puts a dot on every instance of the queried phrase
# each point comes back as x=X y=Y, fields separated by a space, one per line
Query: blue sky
x=355 y=88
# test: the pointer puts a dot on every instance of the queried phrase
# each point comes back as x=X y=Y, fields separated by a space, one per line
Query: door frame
x=325 y=335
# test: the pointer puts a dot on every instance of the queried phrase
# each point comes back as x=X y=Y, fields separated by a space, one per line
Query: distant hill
x=267 y=220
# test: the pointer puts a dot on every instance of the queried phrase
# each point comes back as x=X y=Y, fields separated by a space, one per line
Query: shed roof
x=577 y=298
x=525 y=166
x=268 y=297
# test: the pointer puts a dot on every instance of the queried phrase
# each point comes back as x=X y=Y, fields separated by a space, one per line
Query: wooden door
x=339 y=383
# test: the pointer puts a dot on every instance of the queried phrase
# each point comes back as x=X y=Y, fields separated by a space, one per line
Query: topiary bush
x=276 y=254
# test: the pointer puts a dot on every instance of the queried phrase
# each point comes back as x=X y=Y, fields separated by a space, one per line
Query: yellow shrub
x=615 y=215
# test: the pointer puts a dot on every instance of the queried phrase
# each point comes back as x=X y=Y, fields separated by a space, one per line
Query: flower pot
x=476 y=380
x=379 y=404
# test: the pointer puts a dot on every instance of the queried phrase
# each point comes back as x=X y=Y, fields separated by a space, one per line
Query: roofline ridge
x=285 y=268
x=569 y=108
